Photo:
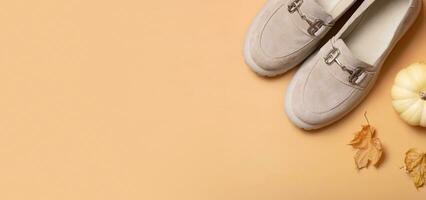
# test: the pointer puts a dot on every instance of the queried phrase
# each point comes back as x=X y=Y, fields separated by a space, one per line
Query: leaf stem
x=366 y=118
x=368 y=122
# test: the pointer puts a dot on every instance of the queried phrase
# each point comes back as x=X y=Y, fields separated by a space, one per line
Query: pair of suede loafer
x=333 y=79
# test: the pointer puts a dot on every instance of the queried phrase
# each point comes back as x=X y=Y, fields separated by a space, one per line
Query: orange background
x=152 y=100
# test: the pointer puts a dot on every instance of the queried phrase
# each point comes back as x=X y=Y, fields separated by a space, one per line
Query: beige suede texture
x=322 y=93
x=279 y=39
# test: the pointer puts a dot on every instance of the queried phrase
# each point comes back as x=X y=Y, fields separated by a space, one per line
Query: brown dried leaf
x=376 y=151
x=415 y=164
x=369 y=147
x=361 y=138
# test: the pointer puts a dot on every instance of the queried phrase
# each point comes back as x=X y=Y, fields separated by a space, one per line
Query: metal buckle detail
x=332 y=56
x=294 y=5
x=355 y=77
x=315 y=27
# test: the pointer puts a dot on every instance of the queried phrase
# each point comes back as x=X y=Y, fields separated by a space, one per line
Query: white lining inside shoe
x=335 y=7
x=370 y=38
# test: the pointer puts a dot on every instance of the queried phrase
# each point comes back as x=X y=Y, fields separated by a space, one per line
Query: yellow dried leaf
x=369 y=147
x=415 y=164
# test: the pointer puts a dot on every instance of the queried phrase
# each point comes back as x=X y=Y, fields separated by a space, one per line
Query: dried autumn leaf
x=361 y=138
x=415 y=164
x=376 y=151
x=369 y=147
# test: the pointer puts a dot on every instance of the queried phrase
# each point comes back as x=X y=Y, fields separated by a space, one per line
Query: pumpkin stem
x=423 y=95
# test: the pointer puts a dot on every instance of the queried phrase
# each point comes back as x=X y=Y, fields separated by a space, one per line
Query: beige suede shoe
x=336 y=79
x=285 y=32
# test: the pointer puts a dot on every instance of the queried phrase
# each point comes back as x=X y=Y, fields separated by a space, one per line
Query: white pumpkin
x=409 y=94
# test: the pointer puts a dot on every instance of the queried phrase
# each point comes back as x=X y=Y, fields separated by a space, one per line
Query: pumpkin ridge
x=409 y=92
x=402 y=105
x=411 y=109
x=405 y=87
x=413 y=74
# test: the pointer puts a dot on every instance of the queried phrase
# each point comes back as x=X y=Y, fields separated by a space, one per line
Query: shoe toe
x=316 y=99
x=275 y=42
